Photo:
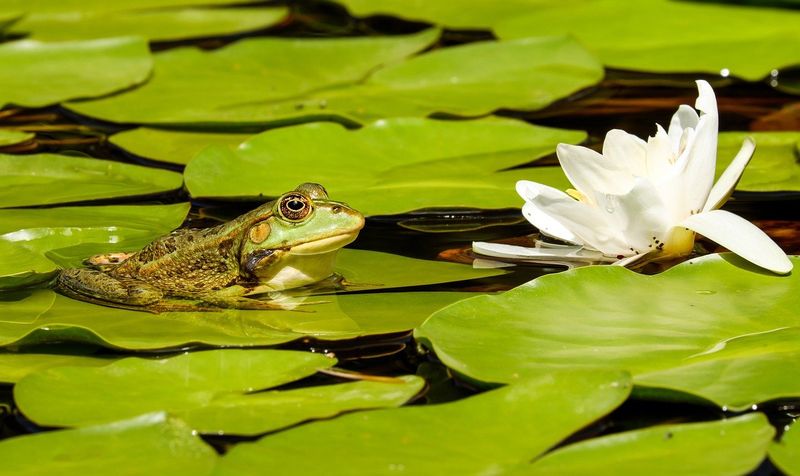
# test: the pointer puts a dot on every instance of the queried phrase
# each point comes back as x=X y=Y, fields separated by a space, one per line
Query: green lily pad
x=42 y=316
x=160 y=24
x=149 y=444
x=223 y=86
x=177 y=147
x=774 y=166
x=658 y=35
x=725 y=447
x=68 y=235
x=786 y=452
x=22 y=267
x=77 y=396
x=682 y=330
x=42 y=179
x=11 y=137
x=16 y=365
x=312 y=84
x=390 y=166
x=194 y=389
x=484 y=434
x=8 y=18
x=73 y=69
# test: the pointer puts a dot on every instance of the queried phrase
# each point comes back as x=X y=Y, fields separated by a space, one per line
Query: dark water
x=626 y=100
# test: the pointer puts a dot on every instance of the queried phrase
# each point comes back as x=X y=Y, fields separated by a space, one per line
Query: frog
x=287 y=243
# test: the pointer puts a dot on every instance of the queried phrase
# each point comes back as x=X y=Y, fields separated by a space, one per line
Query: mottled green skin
x=258 y=252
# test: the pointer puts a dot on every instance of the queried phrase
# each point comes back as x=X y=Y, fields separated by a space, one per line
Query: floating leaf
x=21 y=267
x=48 y=73
x=658 y=35
x=390 y=166
x=786 y=452
x=43 y=179
x=525 y=74
x=195 y=387
x=194 y=86
x=41 y=316
x=725 y=447
x=68 y=235
x=774 y=166
x=676 y=330
x=160 y=24
x=484 y=434
x=11 y=137
x=149 y=444
x=177 y=147
x=75 y=396
x=16 y=365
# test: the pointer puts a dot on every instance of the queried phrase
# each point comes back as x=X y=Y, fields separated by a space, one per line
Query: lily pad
x=21 y=267
x=72 y=69
x=11 y=137
x=726 y=447
x=774 y=166
x=158 y=24
x=484 y=434
x=312 y=83
x=659 y=35
x=683 y=329
x=786 y=452
x=16 y=365
x=68 y=235
x=195 y=390
x=149 y=444
x=224 y=85
x=390 y=166
x=177 y=147
x=42 y=316
x=43 y=179
x=77 y=396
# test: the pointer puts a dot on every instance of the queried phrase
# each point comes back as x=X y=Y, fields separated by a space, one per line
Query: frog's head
x=297 y=243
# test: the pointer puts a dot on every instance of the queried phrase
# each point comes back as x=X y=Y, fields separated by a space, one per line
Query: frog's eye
x=294 y=207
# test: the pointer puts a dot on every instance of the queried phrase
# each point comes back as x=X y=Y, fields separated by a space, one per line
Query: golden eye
x=294 y=207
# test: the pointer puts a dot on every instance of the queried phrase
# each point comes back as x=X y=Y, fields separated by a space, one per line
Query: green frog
x=286 y=243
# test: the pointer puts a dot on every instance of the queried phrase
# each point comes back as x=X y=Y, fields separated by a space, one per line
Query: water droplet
x=754 y=407
x=724 y=408
x=774 y=73
x=610 y=202
x=705 y=291
x=725 y=72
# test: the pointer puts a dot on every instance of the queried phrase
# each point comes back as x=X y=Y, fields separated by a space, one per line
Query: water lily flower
x=645 y=200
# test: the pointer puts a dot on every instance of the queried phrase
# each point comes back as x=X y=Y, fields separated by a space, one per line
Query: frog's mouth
x=324 y=245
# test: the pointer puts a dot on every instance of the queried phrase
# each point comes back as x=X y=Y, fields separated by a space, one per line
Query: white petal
x=631 y=259
x=538 y=215
x=684 y=118
x=723 y=189
x=587 y=170
x=706 y=99
x=659 y=153
x=741 y=237
x=639 y=216
x=573 y=253
x=626 y=151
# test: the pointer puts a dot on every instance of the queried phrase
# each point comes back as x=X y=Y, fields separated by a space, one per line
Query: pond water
x=623 y=99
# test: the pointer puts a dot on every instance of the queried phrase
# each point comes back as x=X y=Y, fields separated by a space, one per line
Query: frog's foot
x=107 y=259
x=98 y=287
x=276 y=301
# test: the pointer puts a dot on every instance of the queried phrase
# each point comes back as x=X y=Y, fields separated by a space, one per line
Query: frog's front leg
x=237 y=297
x=98 y=286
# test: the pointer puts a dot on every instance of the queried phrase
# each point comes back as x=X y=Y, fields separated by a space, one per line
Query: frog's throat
x=324 y=245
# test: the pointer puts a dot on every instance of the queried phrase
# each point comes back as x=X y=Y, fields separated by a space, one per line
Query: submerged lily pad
x=786 y=452
x=20 y=267
x=16 y=365
x=149 y=444
x=177 y=147
x=774 y=166
x=350 y=80
x=198 y=388
x=660 y=35
x=11 y=137
x=42 y=316
x=680 y=330
x=484 y=434
x=726 y=447
x=390 y=166
x=42 y=179
x=72 y=69
x=158 y=24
